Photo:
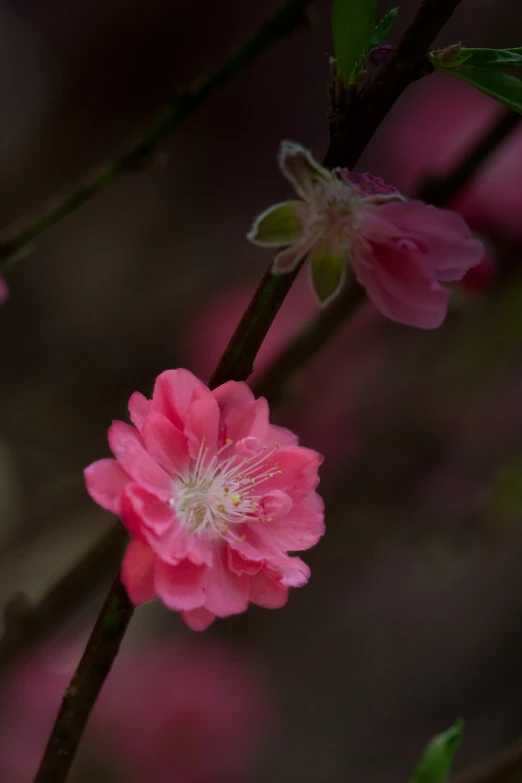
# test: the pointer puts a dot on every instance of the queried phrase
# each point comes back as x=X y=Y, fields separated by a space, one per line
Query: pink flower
x=399 y=250
x=169 y=712
x=438 y=123
x=4 y=291
x=214 y=497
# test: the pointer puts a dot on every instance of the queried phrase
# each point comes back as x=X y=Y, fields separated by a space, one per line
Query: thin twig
x=285 y=21
x=502 y=767
x=442 y=190
x=117 y=611
x=348 y=138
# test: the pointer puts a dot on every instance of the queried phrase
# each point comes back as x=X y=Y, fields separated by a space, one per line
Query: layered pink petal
x=450 y=249
x=227 y=593
x=166 y=444
x=142 y=509
x=181 y=587
x=401 y=288
x=137 y=571
x=248 y=421
x=202 y=423
x=198 y=619
x=300 y=529
x=135 y=460
x=281 y=436
x=173 y=392
x=294 y=471
x=139 y=409
x=268 y=593
x=105 y=481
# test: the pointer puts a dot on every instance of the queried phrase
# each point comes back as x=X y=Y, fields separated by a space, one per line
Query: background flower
x=171 y=711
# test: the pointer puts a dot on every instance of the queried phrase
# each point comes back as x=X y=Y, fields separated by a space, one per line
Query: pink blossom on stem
x=213 y=496
x=399 y=250
x=167 y=713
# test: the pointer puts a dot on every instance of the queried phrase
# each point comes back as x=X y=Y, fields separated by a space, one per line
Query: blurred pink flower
x=4 y=291
x=431 y=131
x=214 y=497
x=167 y=713
x=399 y=250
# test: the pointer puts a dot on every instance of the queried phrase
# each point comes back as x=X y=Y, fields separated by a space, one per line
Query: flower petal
x=300 y=168
x=227 y=593
x=137 y=570
x=451 y=249
x=401 y=288
x=202 y=423
x=267 y=592
x=198 y=619
x=281 y=224
x=166 y=444
x=248 y=421
x=141 y=510
x=105 y=481
x=173 y=393
x=139 y=409
x=182 y=586
x=327 y=271
x=128 y=450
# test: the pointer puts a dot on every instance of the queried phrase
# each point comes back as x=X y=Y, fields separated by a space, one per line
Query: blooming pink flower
x=399 y=249
x=435 y=126
x=214 y=497
x=168 y=713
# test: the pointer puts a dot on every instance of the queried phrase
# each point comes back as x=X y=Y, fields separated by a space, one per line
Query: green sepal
x=278 y=225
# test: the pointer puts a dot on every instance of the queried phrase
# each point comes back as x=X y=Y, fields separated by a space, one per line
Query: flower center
x=217 y=493
x=336 y=211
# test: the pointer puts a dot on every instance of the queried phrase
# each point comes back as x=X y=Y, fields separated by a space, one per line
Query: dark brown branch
x=442 y=190
x=362 y=112
x=80 y=697
x=502 y=767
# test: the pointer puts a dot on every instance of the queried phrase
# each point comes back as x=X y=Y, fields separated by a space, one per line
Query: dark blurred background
x=412 y=616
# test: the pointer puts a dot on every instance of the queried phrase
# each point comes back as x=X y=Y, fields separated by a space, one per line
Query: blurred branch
x=502 y=767
x=27 y=626
x=358 y=112
x=442 y=190
x=140 y=152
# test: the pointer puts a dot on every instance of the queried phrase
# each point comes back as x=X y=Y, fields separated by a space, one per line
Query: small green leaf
x=327 y=272
x=279 y=225
x=506 y=89
x=382 y=29
x=492 y=58
x=352 y=27
x=435 y=763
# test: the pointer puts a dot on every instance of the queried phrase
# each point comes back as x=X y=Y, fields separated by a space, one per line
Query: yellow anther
x=278 y=445
x=226 y=490
x=236 y=498
x=228 y=441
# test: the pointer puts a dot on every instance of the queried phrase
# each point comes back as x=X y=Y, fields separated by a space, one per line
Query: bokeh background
x=413 y=614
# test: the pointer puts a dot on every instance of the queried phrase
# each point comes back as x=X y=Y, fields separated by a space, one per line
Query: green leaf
x=492 y=58
x=327 y=272
x=278 y=225
x=352 y=27
x=435 y=763
x=506 y=89
x=382 y=29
